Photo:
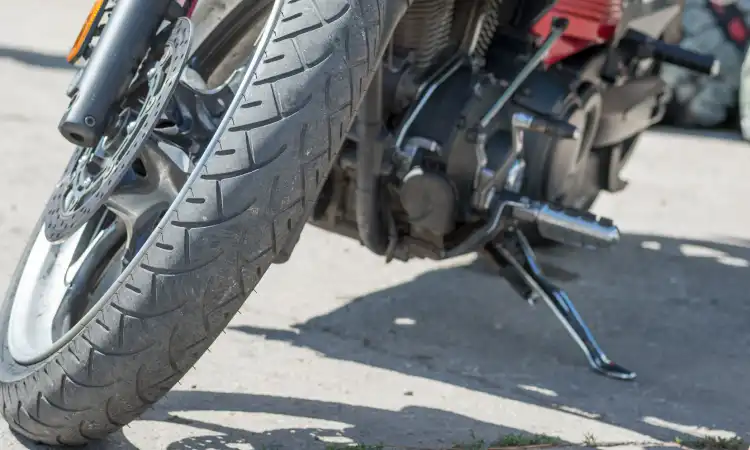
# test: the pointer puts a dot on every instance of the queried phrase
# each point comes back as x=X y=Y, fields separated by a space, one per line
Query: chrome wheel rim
x=95 y=259
x=63 y=285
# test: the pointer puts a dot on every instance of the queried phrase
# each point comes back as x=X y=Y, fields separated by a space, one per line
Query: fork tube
x=109 y=71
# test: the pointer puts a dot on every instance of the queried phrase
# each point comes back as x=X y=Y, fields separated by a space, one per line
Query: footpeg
x=517 y=260
x=545 y=125
x=568 y=226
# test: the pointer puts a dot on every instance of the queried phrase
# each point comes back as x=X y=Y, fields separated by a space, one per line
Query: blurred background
x=720 y=28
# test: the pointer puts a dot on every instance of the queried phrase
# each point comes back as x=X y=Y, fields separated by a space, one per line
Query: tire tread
x=253 y=196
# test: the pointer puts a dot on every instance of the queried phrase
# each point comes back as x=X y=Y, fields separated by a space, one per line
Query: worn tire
x=249 y=194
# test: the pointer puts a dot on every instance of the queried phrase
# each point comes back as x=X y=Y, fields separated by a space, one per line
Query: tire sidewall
x=10 y=370
x=208 y=17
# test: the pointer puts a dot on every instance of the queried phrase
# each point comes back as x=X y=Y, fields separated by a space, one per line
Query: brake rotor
x=94 y=173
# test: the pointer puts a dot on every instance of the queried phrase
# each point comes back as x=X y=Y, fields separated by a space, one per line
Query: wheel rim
x=51 y=284
x=64 y=284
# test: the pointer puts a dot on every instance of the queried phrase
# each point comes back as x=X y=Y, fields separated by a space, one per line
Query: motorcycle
x=205 y=142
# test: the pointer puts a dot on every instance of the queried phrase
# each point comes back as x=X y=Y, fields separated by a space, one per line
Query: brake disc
x=94 y=173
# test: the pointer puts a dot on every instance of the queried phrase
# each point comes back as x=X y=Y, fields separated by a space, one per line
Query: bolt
x=478 y=89
x=89 y=121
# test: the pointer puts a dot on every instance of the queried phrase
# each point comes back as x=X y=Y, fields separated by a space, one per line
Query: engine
x=496 y=129
x=461 y=86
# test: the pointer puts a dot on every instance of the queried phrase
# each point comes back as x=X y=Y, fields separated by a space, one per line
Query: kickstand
x=519 y=266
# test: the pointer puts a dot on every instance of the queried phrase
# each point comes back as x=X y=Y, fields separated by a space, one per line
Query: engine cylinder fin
x=425 y=30
x=486 y=26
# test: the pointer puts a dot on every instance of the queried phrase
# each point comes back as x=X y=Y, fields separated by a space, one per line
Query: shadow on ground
x=33 y=58
x=362 y=424
x=683 y=327
x=676 y=311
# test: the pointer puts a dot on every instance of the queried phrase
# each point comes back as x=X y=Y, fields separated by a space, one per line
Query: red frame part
x=591 y=22
x=191 y=7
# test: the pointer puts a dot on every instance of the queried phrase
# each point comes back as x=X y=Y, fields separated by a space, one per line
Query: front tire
x=248 y=196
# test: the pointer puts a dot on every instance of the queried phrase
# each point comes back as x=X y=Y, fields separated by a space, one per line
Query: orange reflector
x=84 y=36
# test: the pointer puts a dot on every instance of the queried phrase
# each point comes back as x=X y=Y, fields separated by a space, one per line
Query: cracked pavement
x=338 y=346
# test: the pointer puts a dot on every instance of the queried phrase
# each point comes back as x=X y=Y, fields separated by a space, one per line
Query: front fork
x=111 y=63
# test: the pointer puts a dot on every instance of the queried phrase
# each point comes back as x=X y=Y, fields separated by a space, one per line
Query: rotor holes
x=259 y=271
x=317 y=176
x=165 y=124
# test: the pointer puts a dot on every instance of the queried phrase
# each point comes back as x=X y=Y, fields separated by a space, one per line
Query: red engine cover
x=590 y=22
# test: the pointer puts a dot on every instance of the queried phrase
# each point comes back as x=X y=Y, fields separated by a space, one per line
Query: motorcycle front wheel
x=89 y=339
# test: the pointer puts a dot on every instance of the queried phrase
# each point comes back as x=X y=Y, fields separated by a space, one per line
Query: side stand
x=518 y=264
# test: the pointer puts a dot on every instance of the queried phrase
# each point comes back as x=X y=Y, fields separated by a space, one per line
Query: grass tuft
x=526 y=440
x=511 y=441
x=712 y=443
x=354 y=447
x=589 y=440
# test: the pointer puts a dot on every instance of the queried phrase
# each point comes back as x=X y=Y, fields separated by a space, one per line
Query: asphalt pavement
x=423 y=354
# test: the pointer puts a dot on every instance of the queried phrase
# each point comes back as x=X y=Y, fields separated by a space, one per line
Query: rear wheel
x=564 y=171
x=98 y=326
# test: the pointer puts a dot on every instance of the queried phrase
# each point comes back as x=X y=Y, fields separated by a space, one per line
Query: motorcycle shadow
x=363 y=423
x=673 y=310
x=32 y=58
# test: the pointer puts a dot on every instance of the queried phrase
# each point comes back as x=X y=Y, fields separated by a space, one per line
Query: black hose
x=369 y=160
